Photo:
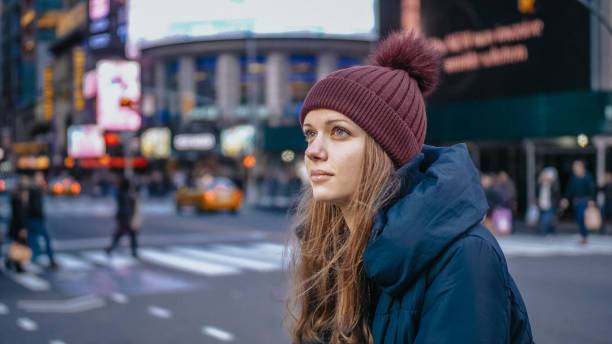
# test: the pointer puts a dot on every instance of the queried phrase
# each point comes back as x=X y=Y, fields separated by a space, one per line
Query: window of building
x=205 y=81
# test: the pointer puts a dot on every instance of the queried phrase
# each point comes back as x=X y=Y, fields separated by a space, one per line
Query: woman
x=549 y=195
x=390 y=246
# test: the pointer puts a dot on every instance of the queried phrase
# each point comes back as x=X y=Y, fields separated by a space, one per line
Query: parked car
x=216 y=194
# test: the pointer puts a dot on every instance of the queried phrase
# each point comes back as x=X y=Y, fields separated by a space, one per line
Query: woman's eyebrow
x=336 y=120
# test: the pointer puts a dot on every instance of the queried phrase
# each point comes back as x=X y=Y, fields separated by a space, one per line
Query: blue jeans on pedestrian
x=547 y=218
x=36 y=228
x=580 y=207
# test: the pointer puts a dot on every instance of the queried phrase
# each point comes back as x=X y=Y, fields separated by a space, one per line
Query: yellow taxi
x=213 y=194
x=65 y=187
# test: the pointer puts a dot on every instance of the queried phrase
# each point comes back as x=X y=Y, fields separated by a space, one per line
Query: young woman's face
x=334 y=155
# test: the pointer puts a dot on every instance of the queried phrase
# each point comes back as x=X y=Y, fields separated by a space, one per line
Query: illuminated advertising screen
x=238 y=140
x=195 y=142
x=118 y=95
x=156 y=21
x=501 y=48
x=155 y=143
x=86 y=141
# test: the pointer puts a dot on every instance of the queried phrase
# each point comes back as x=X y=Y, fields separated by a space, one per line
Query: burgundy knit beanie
x=386 y=99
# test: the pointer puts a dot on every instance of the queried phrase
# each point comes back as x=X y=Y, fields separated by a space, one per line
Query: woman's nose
x=316 y=149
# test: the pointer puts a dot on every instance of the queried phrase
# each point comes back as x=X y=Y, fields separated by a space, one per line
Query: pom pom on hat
x=412 y=54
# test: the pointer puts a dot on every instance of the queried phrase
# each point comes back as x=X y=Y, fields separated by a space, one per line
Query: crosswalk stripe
x=70 y=262
x=184 y=263
x=116 y=260
x=30 y=281
x=238 y=262
x=248 y=252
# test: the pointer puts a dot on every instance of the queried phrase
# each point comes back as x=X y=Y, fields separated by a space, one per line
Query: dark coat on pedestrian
x=126 y=204
x=35 y=204
x=438 y=273
x=581 y=188
x=18 y=219
x=555 y=193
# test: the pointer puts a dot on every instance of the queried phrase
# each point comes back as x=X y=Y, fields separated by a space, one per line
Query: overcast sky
x=154 y=20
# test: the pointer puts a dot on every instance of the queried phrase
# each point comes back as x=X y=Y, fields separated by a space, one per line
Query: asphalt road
x=221 y=278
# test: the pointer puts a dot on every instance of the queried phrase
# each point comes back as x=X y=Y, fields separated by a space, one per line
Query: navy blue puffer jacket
x=440 y=275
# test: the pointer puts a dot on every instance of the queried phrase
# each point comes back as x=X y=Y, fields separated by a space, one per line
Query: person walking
x=18 y=223
x=126 y=205
x=606 y=188
x=549 y=195
x=581 y=191
x=389 y=245
x=36 y=220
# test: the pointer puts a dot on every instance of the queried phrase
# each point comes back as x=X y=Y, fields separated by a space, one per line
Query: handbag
x=502 y=220
x=19 y=252
x=592 y=218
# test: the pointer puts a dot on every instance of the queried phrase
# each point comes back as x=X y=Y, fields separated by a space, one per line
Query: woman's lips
x=320 y=176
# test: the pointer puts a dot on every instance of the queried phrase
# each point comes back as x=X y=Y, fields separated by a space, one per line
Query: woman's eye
x=309 y=134
x=337 y=131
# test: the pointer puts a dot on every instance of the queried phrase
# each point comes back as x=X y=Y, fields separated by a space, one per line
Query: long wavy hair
x=330 y=297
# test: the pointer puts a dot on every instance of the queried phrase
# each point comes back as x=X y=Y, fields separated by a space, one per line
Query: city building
x=526 y=83
x=244 y=92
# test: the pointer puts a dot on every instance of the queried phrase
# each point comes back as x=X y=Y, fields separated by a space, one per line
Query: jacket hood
x=440 y=199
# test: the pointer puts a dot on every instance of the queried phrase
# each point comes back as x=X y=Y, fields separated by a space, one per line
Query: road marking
x=75 y=305
x=217 y=333
x=115 y=260
x=186 y=264
x=27 y=324
x=238 y=262
x=159 y=312
x=119 y=298
x=30 y=281
x=249 y=252
x=70 y=262
x=4 y=310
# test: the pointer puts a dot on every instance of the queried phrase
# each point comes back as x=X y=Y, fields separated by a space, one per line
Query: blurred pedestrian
x=504 y=181
x=499 y=216
x=389 y=242
x=606 y=188
x=581 y=191
x=126 y=206
x=549 y=195
x=18 y=223
x=36 y=220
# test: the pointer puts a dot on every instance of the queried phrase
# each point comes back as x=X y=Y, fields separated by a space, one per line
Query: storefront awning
x=541 y=115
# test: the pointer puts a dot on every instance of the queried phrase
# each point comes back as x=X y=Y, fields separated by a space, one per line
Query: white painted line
x=75 y=305
x=159 y=312
x=116 y=260
x=30 y=281
x=238 y=262
x=119 y=298
x=4 y=310
x=57 y=341
x=247 y=252
x=34 y=268
x=70 y=262
x=27 y=324
x=186 y=264
x=217 y=333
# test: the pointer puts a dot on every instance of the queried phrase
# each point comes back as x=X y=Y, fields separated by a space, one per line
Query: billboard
x=502 y=48
x=85 y=141
x=154 y=21
x=155 y=143
x=238 y=140
x=118 y=95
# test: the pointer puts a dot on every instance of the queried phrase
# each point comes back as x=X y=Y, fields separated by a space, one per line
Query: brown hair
x=330 y=299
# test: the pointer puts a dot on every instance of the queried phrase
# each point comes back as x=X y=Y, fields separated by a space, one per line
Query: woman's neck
x=349 y=217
